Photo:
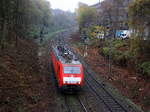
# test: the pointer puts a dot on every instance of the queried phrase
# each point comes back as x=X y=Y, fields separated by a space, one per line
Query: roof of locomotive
x=65 y=55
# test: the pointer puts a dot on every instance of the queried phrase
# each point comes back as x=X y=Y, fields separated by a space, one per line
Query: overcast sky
x=69 y=4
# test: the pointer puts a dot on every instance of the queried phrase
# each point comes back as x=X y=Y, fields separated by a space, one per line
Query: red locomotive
x=68 y=70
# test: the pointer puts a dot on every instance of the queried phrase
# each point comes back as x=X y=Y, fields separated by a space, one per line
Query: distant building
x=97 y=6
x=118 y=15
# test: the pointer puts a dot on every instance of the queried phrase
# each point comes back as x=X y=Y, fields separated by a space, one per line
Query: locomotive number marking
x=72 y=80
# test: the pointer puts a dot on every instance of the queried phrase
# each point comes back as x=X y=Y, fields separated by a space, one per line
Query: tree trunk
x=4 y=32
x=16 y=22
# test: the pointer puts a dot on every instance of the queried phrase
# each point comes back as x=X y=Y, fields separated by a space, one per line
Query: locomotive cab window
x=72 y=70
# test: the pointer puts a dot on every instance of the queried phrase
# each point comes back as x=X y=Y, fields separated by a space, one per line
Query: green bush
x=116 y=43
x=105 y=51
x=136 y=46
x=121 y=57
x=119 y=43
x=145 y=68
x=95 y=42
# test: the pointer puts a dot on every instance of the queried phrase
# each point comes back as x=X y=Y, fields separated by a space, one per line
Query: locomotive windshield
x=72 y=70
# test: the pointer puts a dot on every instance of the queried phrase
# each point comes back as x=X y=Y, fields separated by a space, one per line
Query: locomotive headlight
x=65 y=81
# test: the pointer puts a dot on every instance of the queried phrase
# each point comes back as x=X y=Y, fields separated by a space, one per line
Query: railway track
x=74 y=104
x=94 y=103
x=102 y=93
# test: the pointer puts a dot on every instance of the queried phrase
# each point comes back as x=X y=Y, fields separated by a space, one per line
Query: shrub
x=145 y=68
x=119 y=43
x=95 y=42
x=121 y=58
x=105 y=51
x=136 y=46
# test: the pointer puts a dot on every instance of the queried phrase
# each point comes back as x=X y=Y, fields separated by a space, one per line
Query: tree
x=39 y=19
x=86 y=16
x=23 y=19
x=139 y=12
x=62 y=20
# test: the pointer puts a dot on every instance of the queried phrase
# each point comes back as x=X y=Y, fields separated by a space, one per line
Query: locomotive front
x=73 y=77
